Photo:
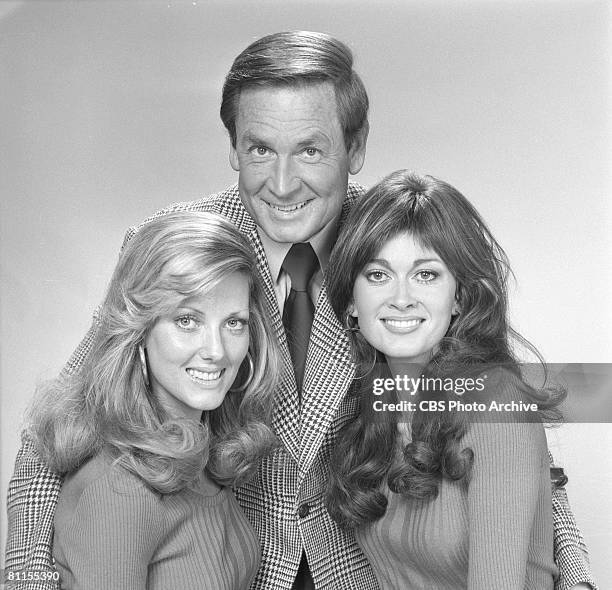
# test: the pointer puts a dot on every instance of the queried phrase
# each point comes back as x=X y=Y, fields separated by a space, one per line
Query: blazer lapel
x=328 y=376
x=286 y=413
x=329 y=368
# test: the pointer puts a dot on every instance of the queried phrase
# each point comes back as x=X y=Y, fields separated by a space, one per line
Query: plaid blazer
x=285 y=500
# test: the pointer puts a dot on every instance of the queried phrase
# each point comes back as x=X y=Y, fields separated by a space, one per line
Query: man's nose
x=283 y=181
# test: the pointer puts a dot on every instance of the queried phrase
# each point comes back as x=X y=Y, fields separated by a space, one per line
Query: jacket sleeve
x=34 y=489
x=571 y=555
x=32 y=499
x=33 y=494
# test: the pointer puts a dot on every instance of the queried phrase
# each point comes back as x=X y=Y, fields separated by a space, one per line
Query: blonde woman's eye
x=237 y=324
x=186 y=322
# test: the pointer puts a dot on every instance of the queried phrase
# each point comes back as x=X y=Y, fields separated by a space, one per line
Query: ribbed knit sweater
x=113 y=532
x=493 y=531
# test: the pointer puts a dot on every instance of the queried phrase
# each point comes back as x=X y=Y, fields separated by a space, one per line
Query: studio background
x=109 y=111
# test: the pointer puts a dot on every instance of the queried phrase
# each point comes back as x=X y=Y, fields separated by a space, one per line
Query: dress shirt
x=322 y=243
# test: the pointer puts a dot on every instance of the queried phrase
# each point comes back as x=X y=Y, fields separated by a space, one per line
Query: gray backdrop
x=109 y=110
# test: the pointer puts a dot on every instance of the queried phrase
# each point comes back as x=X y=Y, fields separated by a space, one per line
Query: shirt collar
x=322 y=243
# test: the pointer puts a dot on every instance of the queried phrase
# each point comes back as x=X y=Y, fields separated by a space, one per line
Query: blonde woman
x=168 y=410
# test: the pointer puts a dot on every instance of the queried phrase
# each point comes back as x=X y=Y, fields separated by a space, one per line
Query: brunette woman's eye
x=426 y=276
x=376 y=276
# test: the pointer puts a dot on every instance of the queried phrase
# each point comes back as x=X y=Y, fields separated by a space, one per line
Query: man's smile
x=288 y=208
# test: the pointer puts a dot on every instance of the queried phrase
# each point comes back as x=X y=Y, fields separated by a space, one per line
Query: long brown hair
x=440 y=218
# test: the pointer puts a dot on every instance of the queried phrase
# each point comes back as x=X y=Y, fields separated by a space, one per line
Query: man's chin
x=288 y=229
x=288 y=235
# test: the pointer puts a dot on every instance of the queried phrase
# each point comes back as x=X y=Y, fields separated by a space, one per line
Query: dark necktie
x=301 y=263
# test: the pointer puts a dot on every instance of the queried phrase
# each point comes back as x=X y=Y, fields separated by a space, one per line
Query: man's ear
x=233 y=157
x=357 y=151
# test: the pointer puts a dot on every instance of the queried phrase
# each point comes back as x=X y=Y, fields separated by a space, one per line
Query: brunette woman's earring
x=456 y=304
x=352 y=327
x=370 y=369
x=143 y=364
x=250 y=377
x=349 y=324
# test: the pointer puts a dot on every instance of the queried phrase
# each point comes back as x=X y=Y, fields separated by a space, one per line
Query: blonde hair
x=106 y=404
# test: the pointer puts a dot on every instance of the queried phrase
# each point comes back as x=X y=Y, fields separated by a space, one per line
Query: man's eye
x=186 y=322
x=260 y=150
x=311 y=154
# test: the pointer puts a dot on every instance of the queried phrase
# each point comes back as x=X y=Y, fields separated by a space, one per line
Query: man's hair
x=297 y=58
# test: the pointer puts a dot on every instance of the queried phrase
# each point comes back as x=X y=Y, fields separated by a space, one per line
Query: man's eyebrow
x=312 y=138
x=251 y=137
x=305 y=141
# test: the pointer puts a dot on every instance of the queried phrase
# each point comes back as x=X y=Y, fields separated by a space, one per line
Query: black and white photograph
x=305 y=295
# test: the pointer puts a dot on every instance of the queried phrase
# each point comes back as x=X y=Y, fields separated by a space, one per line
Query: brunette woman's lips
x=402 y=325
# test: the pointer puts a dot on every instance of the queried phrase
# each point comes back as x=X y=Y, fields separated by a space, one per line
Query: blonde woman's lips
x=205 y=376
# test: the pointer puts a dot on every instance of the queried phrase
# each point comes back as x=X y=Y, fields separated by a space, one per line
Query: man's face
x=292 y=160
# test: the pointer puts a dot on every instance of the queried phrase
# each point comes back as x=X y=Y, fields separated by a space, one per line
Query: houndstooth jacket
x=285 y=501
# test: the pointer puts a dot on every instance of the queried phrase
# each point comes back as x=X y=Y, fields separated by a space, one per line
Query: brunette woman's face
x=195 y=352
x=404 y=300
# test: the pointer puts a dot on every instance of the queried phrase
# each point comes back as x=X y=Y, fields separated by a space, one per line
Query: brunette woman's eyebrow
x=417 y=262
x=426 y=261
x=380 y=262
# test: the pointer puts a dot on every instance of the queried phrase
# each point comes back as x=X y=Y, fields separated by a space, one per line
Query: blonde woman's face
x=195 y=352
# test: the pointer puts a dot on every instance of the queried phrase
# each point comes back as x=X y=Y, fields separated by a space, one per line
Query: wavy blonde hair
x=106 y=404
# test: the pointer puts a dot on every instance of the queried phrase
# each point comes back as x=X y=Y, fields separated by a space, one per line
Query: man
x=296 y=114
